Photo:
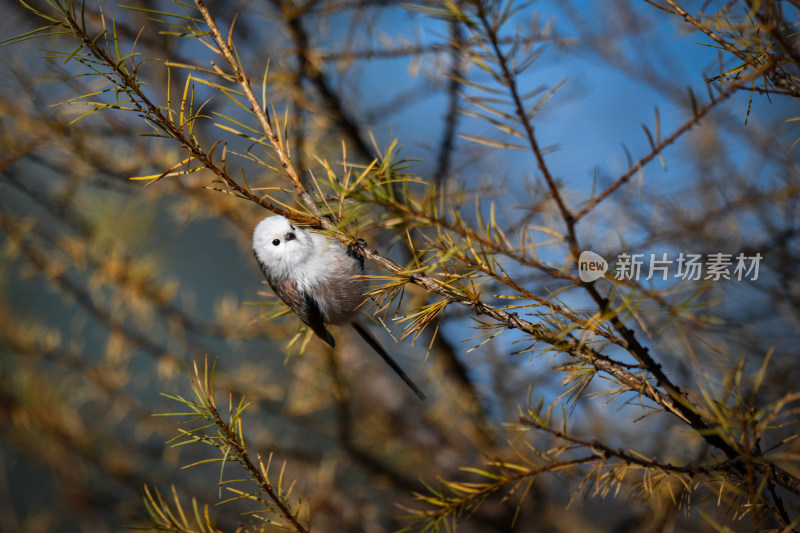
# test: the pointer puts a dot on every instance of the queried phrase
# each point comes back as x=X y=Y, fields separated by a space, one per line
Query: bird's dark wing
x=303 y=305
x=313 y=317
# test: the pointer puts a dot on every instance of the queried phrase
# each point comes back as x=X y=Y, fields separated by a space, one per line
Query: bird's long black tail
x=388 y=358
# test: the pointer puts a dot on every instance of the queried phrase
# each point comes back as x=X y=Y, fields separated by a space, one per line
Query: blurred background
x=110 y=290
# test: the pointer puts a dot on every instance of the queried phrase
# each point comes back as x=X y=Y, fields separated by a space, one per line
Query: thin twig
x=232 y=438
x=522 y=113
x=451 y=120
x=225 y=49
x=607 y=451
x=657 y=149
x=713 y=35
x=149 y=109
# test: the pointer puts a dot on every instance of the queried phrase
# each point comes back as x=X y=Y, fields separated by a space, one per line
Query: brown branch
x=780 y=78
x=714 y=36
x=242 y=457
x=339 y=115
x=506 y=280
x=143 y=104
x=422 y=218
x=451 y=120
x=606 y=451
x=435 y=48
x=483 y=491
x=686 y=409
x=511 y=320
x=674 y=400
x=731 y=467
x=224 y=47
x=522 y=114
x=657 y=149
x=677 y=403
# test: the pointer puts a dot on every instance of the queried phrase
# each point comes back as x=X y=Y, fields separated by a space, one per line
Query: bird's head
x=280 y=246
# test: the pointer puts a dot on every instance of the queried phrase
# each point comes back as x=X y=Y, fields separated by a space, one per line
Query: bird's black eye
x=276 y=242
x=290 y=237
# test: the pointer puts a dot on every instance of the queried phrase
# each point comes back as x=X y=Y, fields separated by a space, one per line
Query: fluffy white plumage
x=312 y=273
x=292 y=252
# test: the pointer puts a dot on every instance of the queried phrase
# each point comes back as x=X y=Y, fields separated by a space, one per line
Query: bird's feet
x=356 y=250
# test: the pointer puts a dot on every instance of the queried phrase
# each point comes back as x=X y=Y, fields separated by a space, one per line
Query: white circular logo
x=591 y=266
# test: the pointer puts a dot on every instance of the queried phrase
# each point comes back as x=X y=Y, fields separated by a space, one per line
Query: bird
x=320 y=280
